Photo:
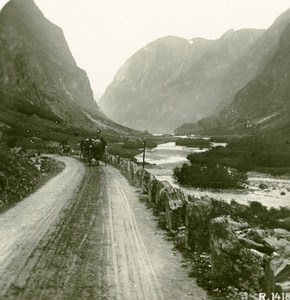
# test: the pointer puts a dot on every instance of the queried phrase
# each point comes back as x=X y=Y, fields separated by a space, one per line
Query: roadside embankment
x=237 y=249
x=21 y=173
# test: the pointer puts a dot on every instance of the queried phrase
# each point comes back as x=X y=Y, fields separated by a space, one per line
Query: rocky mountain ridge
x=172 y=80
x=42 y=88
x=263 y=103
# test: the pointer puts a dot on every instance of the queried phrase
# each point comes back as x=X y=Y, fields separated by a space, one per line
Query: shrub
x=11 y=142
x=20 y=174
x=209 y=176
x=200 y=143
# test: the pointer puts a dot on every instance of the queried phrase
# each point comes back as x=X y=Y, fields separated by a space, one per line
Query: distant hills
x=264 y=103
x=42 y=91
x=173 y=81
x=233 y=84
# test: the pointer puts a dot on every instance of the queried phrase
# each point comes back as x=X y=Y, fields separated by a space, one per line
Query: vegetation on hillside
x=225 y=167
x=138 y=144
x=248 y=154
x=210 y=176
x=21 y=173
x=130 y=147
x=189 y=142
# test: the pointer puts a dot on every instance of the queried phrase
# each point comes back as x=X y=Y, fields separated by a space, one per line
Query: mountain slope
x=173 y=80
x=265 y=101
x=248 y=66
x=40 y=83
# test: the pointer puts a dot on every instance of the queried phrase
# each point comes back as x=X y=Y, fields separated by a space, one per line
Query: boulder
x=256 y=234
x=281 y=246
x=238 y=225
x=284 y=223
x=161 y=192
x=198 y=216
x=173 y=203
x=153 y=191
x=280 y=262
x=263 y=186
x=281 y=233
x=250 y=244
x=232 y=263
x=282 y=273
x=280 y=268
x=283 y=287
x=271 y=242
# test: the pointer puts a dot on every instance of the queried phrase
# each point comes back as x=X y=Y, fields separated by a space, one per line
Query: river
x=166 y=156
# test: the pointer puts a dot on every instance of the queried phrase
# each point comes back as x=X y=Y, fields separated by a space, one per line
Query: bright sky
x=103 y=34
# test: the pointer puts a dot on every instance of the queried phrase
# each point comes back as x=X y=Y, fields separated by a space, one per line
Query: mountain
x=41 y=87
x=173 y=80
x=264 y=103
x=253 y=64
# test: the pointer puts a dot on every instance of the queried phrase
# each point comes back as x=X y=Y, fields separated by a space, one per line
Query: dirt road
x=86 y=235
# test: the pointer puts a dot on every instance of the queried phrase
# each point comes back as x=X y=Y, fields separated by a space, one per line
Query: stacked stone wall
x=207 y=225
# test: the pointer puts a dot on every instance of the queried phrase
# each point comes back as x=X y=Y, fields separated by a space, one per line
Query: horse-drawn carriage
x=65 y=148
x=93 y=149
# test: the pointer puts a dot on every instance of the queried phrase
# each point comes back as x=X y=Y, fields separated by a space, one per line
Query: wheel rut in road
x=99 y=244
x=69 y=260
x=145 y=264
x=132 y=271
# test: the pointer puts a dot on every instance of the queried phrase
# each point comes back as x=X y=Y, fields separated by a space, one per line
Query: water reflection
x=167 y=156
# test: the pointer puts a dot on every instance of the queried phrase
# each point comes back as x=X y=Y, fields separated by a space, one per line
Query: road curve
x=23 y=226
x=86 y=235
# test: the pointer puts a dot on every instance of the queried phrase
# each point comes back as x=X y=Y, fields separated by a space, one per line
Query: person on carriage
x=99 y=134
x=101 y=138
x=103 y=141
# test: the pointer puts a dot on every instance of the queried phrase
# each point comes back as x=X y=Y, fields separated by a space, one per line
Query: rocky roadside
x=22 y=172
x=236 y=251
x=243 y=263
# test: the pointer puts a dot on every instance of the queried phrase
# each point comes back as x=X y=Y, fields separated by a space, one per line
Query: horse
x=65 y=148
x=93 y=149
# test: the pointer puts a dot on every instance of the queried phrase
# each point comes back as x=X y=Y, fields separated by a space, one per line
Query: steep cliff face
x=173 y=80
x=39 y=77
x=254 y=102
x=264 y=101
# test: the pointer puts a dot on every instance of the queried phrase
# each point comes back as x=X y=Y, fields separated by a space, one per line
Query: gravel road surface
x=86 y=235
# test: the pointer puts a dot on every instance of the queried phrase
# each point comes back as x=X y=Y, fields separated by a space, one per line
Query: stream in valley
x=166 y=156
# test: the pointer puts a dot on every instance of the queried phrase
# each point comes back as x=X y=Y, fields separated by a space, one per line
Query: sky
x=103 y=34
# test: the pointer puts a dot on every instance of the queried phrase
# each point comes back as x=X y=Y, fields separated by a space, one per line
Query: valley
x=165 y=157
x=206 y=215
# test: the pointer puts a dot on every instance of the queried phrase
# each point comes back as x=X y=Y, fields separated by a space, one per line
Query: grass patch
x=199 y=143
x=22 y=173
x=225 y=167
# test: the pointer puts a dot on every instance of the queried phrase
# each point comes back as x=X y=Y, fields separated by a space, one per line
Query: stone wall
x=250 y=259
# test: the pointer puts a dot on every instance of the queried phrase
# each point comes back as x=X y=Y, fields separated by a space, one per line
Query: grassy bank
x=21 y=173
x=131 y=147
x=198 y=143
x=228 y=165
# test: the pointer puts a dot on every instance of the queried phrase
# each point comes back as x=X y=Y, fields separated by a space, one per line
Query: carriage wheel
x=90 y=157
x=105 y=156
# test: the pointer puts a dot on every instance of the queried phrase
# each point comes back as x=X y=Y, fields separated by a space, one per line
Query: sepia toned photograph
x=145 y=150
